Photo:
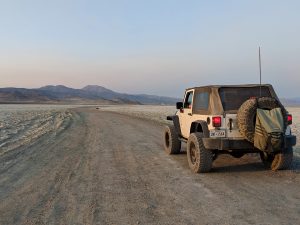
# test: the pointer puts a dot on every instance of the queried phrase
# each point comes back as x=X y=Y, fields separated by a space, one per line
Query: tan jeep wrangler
x=220 y=119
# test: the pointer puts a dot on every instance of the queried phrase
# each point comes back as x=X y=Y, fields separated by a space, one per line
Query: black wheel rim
x=193 y=153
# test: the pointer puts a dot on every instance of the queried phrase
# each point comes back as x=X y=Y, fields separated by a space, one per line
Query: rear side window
x=201 y=101
x=233 y=97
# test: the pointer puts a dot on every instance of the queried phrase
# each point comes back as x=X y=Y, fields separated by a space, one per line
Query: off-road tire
x=199 y=158
x=172 y=144
x=246 y=115
x=279 y=161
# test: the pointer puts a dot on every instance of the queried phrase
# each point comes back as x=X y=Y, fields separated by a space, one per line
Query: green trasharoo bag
x=269 y=128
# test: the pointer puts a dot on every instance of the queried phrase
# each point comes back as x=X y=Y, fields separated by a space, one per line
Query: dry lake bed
x=82 y=165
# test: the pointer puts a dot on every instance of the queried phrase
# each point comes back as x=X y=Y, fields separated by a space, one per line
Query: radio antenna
x=259 y=71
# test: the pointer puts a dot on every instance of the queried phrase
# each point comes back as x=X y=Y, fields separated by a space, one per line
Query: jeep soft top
x=228 y=98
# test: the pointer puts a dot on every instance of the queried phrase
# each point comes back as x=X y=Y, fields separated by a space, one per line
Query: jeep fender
x=176 y=123
x=200 y=126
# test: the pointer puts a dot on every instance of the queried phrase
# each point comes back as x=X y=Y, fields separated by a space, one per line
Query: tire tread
x=205 y=156
x=174 y=143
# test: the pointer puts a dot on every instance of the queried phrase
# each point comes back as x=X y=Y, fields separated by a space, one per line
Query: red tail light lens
x=290 y=119
x=217 y=121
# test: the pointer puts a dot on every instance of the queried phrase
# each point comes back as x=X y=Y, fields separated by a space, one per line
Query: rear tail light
x=217 y=121
x=289 y=119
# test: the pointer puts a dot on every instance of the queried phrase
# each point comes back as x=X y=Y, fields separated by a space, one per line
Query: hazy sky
x=152 y=46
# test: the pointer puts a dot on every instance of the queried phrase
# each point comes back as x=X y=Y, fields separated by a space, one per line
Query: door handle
x=190 y=114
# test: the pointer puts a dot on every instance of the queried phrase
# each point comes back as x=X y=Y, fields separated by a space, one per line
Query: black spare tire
x=246 y=115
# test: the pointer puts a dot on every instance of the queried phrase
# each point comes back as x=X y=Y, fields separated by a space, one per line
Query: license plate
x=217 y=133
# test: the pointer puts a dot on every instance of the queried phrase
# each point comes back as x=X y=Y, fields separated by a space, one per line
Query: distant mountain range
x=87 y=95
x=91 y=94
x=290 y=101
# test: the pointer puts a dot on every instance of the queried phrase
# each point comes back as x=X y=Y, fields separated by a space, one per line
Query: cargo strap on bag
x=269 y=128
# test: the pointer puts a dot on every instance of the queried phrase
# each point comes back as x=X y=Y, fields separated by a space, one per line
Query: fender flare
x=176 y=123
x=200 y=126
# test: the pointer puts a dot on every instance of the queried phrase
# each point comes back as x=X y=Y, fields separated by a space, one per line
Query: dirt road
x=106 y=168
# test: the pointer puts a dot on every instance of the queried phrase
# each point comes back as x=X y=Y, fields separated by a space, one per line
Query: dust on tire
x=202 y=162
x=172 y=144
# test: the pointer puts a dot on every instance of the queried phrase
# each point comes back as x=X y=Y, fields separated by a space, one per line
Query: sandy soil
x=107 y=168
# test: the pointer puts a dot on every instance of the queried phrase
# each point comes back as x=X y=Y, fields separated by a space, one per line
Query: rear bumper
x=226 y=144
x=240 y=144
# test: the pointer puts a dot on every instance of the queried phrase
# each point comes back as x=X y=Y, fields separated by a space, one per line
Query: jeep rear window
x=233 y=97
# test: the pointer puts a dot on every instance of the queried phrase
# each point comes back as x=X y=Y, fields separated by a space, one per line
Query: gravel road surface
x=107 y=168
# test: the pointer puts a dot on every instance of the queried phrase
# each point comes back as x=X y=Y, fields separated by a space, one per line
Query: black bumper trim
x=234 y=144
x=226 y=144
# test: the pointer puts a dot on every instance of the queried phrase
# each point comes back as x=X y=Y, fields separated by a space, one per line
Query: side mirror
x=179 y=105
